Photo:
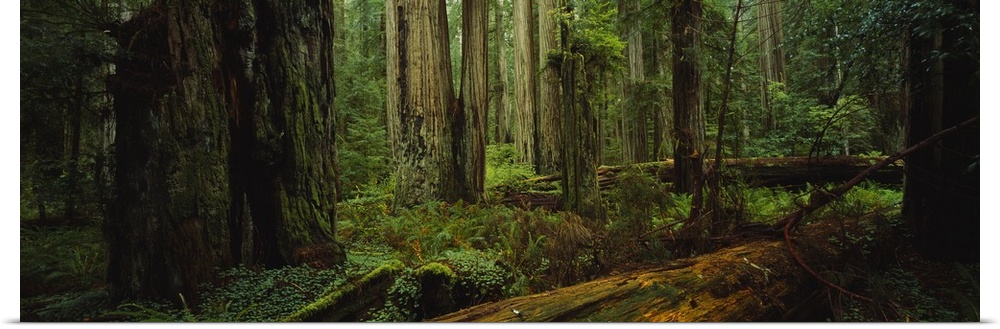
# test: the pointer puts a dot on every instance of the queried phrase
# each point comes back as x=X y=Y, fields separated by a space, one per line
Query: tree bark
x=470 y=125
x=225 y=143
x=688 y=118
x=167 y=226
x=942 y=189
x=524 y=82
x=550 y=95
x=420 y=101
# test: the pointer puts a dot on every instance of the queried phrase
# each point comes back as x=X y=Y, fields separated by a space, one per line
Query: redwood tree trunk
x=549 y=94
x=420 y=101
x=501 y=99
x=470 y=125
x=224 y=144
x=524 y=81
x=167 y=225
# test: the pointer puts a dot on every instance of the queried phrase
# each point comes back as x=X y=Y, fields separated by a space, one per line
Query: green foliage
x=479 y=278
x=61 y=258
x=503 y=169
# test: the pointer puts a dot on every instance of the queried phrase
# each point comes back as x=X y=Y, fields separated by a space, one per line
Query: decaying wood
x=766 y=172
x=756 y=281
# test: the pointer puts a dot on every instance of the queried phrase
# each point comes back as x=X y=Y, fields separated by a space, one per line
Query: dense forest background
x=400 y=160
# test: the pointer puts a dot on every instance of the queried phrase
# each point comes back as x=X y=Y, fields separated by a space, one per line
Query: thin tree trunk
x=549 y=98
x=73 y=165
x=524 y=85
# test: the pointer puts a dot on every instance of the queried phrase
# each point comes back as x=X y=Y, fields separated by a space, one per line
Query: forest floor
x=494 y=252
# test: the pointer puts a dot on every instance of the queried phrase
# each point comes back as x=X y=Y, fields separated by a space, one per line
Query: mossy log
x=764 y=172
x=756 y=281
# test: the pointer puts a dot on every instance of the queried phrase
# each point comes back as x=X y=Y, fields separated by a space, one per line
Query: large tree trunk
x=73 y=161
x=756 y=281
x=634 y=145
x=470 y=125
x=549 y=96
x=293 y=196
x=942 y=188
x=167 y=226
x=224 y=143
x=420 y=100
x=524 y=82
x=579 y=129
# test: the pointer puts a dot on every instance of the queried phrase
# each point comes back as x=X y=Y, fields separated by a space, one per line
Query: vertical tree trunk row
x=524 y=82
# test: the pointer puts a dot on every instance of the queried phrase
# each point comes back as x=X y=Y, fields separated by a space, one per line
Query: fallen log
x=756 y=281
x=761 y=172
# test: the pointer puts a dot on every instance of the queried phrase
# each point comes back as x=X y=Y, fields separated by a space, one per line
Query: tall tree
x=225 y=143
x=689 y=124
x=470 y=123
x=635 y=148
x=772 y=59
x=942 y=188
x=420 y=101
x=549 y=93
x=524 y=81
x=438 y=140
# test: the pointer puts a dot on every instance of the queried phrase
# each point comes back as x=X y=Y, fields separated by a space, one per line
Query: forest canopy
x=400 y=160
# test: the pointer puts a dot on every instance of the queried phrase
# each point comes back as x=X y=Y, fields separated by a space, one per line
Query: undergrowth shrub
x=57 y=259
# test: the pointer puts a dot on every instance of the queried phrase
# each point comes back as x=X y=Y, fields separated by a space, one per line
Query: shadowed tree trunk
x=167 y=226
x=225 y=147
